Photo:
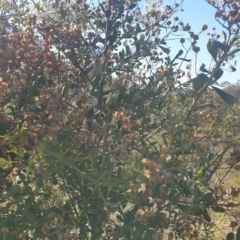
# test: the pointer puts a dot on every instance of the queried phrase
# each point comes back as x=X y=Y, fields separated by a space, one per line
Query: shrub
x=100 y=137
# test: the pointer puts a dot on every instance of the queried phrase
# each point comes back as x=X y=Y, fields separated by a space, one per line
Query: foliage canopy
x=104 y=133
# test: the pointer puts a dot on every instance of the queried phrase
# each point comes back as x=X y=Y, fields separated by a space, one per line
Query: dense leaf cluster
x=101 y=136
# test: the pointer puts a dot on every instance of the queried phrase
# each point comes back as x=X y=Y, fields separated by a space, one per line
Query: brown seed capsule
x=196 y=49
x=148 y=214
x=204 y=27
x=145 y=161
x=233 y=224
x=159 y=201
x=182 y=40
x=4 y=230
x=147 y=173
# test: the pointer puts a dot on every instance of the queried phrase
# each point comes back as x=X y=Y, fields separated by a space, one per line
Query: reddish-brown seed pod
x=204 y=27
x=4 y=230
x=182 y=40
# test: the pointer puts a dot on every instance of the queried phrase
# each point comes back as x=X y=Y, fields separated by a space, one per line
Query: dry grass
x=232 y=178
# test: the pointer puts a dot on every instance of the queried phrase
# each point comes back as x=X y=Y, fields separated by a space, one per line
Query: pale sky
x=197 y=13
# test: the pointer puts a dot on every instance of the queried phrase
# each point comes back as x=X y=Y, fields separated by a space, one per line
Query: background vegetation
x=105 y=133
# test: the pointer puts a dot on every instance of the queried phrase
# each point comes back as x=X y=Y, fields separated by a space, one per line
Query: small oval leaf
x=199 y=81
x=233 y=51
x=184 y=59
x=226 y=97
x=108 y=13
x=132 y=6
x=218 y=74
x=208 y=198
x=206 y=216
x=238 y=233
x=212 y=50
x=203 y=69
x=230 y=236
x=203 y=77
x=224 y=37
x=218 y=209
x=234 y=39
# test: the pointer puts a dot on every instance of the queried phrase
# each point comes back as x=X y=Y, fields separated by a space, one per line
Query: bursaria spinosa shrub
x=107 y=133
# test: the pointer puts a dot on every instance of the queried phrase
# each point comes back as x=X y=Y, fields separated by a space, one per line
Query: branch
x=206 y=85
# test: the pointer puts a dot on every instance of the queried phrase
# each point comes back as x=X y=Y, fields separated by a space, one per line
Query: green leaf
x=108 y=13
x=148 y=234
x=38 y=233
x=233 y=51
x=116 y=25
x=138 y=46
x=21 y=176
x=189 y=123
x=165 y=50
x=121 y=55
x=54 y=181
x=100 y=25
x=132 y=6
x=180 y=52
x=184 y=59
x=14 y=189
x=142 y=40
x=226 y=97
x=121 y=10
x=203 y=77
x=128 y=51
x=102 y=7
x=206 y=216
x=230 y=236
x=138 y=233
x=129 y=19
x=201 y=172
x=218 y=74
x=234 y=39
x=85 y=78
x=38 y=181
x=224 y=37
x=65 y=90
x=238 y=233
x=213 y=46
x=119 y=218
x=219 y=45
x=4 y=128
x=184 y=208
x=187 y=191
x=211 y=50
x=206 y=105
x=236 y=43
x=199 y=81
x=168 y=60
x=126 y=231
x=203 y=69
x=208 y=198
x=218 y=209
